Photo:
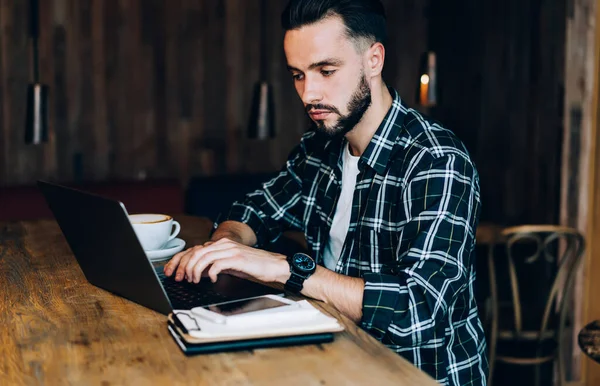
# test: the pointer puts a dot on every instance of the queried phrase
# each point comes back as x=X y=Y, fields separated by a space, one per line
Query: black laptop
x=106 y=247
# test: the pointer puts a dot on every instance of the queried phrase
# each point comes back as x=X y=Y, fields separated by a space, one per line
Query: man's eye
x=297 y=76
x=327 y=72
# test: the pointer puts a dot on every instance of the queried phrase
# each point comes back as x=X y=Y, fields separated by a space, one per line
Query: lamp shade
x=262 y=124
x=36 y=125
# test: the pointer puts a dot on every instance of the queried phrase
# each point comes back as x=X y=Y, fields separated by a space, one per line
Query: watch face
x=304 y=263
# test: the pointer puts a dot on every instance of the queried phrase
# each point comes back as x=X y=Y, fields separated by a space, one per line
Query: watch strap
x=295 y=283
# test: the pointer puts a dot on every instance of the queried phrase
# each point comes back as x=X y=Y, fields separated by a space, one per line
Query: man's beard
x=358 y=105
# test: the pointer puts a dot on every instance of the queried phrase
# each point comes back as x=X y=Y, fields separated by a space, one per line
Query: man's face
x=328 y=75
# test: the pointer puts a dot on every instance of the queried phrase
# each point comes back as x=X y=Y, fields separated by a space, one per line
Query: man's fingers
x=180 y=275
x=193 y=262
x=173 y=263
x=211 y=258
x=175 y=260
x=221 y=265
x=199 y=255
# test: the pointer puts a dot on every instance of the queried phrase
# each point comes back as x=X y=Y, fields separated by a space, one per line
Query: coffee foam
x=148 y=218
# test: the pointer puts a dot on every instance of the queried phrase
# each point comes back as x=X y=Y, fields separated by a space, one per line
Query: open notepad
x=304 y=325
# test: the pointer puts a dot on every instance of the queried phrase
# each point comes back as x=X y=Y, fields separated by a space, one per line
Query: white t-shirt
x=341 y=219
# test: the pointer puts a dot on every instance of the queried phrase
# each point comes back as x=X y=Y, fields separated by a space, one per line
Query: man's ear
x=375 y=58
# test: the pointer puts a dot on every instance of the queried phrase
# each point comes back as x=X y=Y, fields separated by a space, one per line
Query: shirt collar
x=379 y=150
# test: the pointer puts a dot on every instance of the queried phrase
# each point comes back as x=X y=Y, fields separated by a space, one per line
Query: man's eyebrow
x=322 y=63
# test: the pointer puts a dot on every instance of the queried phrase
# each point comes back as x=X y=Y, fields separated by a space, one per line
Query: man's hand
x=230 y=256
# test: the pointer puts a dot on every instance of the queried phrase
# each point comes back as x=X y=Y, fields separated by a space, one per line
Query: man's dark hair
x=364 y=19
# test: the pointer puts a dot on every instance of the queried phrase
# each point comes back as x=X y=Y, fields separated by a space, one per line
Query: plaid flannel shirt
x=411 y=235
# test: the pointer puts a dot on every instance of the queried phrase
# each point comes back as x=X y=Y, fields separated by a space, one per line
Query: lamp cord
x=263 y=40
x=34 y=32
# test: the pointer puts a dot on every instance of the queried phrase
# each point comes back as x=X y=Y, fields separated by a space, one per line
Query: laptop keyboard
x=184 y=295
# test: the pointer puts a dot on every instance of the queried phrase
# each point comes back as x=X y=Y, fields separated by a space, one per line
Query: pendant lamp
x=36 y=120
x=262 y=120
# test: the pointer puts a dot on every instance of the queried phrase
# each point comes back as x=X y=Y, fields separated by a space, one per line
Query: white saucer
x=172 y=247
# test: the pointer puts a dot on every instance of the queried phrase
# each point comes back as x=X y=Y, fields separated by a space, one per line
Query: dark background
x=152 y=89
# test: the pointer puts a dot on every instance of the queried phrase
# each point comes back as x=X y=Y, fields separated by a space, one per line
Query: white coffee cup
x=154 y=231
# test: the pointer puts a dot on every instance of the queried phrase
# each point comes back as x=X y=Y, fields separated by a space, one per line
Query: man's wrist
x=235 y=231
x=218 y=235
x=284 y=273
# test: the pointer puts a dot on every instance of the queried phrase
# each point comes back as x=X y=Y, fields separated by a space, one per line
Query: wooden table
x=56 y=328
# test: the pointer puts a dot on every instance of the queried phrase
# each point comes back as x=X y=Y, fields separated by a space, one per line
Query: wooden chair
x=557 y=253
x=488 y=235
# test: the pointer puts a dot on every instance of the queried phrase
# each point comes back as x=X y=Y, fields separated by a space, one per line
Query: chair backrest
x=560 y=249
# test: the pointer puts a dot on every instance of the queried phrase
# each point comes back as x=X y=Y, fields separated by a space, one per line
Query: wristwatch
x=301 y=267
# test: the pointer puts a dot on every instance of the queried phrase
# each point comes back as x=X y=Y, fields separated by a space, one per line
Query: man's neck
x=361 y=135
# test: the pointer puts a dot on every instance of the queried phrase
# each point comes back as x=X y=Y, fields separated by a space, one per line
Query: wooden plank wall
x=156 y=88
x=501 y=69
x=579 y=187
x=149 y=89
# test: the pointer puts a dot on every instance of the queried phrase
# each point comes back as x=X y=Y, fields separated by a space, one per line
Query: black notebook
x=196 y=335
x=249 y=344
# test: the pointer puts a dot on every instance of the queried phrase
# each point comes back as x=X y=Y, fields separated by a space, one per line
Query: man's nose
x=312 y=91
